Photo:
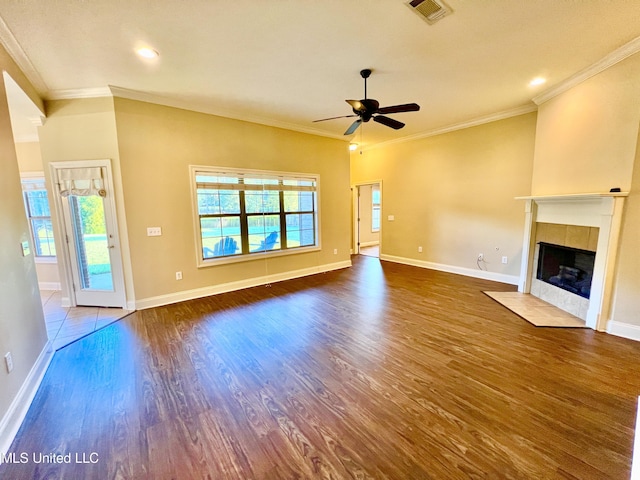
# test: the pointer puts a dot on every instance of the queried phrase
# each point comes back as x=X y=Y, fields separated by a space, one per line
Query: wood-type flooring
x=379 y=371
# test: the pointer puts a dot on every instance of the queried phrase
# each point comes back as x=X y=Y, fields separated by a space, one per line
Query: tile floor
x=372 y=251
x=66 y=325
x=536 y=311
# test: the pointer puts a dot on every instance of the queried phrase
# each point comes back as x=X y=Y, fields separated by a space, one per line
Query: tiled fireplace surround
x=574 y=236
x=588 y=222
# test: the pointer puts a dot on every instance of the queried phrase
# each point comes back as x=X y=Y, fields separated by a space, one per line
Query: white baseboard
x=49 y=286
x=626 y=330
x=20 y=406
x=232 y=286
x=370 y=244
x=467 y=272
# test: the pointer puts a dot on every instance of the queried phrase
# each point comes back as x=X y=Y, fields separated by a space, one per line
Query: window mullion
x=283 y=220
x=244 y=226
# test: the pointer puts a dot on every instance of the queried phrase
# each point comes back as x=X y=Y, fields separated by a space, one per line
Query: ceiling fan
x=368 y=108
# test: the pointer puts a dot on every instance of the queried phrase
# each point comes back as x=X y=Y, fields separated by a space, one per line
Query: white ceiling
x=286 y=63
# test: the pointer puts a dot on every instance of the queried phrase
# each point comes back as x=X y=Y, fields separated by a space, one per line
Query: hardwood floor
x=380 y=371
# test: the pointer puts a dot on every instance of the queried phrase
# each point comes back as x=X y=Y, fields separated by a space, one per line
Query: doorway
x=367 y=226
x=86 y=208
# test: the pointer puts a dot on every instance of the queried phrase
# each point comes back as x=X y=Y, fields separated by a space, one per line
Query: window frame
x=243 y=215
x=38 y=179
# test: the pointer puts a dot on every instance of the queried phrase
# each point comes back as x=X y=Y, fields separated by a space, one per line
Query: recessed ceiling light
x=537 y=81
x=147 y=52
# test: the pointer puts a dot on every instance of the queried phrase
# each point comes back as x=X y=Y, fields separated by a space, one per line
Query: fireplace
x=568 y=268
x=569 y=252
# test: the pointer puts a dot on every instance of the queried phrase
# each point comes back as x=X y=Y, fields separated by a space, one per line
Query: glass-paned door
x=91 y=243
x=95 y=264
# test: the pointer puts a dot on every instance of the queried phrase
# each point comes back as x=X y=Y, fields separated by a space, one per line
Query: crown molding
x=19 y=56
x=79 y=93
x=185 y=105
x=115 y=91
x=37 y=121
x=618 y=55
x=494 y=117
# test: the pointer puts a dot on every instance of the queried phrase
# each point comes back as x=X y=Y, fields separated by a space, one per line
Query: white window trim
x=211 y=262
x=50 y=259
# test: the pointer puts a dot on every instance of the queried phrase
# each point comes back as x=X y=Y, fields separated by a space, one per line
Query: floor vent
x=430 y=10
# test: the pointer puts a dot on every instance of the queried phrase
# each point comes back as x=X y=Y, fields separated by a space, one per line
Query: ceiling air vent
x=430 y=10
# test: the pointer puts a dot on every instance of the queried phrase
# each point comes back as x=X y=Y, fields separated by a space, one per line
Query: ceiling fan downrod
x=365 y=74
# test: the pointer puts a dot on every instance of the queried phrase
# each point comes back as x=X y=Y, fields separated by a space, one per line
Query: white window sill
x=212 y=262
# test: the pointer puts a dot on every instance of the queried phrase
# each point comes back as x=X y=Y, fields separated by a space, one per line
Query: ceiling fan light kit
x=369 y=108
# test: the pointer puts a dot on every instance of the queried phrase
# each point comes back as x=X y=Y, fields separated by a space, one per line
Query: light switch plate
x=8 y=362
x=154 y=231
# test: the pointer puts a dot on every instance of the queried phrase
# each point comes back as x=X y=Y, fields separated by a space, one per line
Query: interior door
x=91 y=237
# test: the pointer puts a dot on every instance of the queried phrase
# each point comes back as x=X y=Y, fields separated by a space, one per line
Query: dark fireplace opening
x=568 y=268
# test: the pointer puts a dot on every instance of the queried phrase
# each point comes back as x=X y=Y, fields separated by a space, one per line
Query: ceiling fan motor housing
x=366 y=108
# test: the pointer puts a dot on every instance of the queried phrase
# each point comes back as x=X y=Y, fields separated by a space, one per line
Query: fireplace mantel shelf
x=573 y=196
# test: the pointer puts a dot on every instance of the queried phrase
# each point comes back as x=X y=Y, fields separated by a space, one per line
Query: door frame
x=355 y=209
x=65 y=265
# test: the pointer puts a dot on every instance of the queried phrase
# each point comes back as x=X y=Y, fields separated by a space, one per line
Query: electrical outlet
x=419 y=249
x=8 y=361
x=335 y=251
x=178 y=275
x=481 y=257
x=505 y=260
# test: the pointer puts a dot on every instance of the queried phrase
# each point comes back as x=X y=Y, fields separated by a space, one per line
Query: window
x=39 y=215
x=375 y=208
x=243 y=213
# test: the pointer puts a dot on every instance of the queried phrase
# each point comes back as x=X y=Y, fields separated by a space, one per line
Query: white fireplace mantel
x=602 y=210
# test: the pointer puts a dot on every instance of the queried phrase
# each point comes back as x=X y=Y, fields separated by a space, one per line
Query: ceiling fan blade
x=356 y=105
x=354 y=126
x=333 y=118
x=389 y=122
x=407 y=107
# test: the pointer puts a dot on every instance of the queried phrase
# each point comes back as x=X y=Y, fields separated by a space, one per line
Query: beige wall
x=85 y=129
x=151 y=147
x=453 y=194
x=587 y=142
x=29 y=157
x=586 y=137
x=626 y=300
x=22 y=328
x=157 y=144
x=367 y=236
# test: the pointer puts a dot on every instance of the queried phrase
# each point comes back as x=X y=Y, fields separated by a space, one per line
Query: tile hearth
x=536 y=311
